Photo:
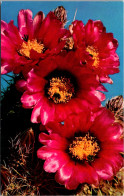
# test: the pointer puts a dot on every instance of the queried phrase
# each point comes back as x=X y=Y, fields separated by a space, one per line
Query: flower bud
x=61 y=14
x=116 y=105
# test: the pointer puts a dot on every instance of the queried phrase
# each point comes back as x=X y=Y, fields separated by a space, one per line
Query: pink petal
x=46 y=152
x=78 y=32
x=92 y=33
x=21 y=85
x=114 y=132
x=92 y=100
x=101 y=124
x=35 y=116
x=99 y=25
x=44 y=138
x=113 y=158
x=101 y=88
x=29 y=100
x=4 y=26
x=116 y=145
x=87 y=174
x=47 y=111
x=6 y=68
x=99 y=95
x=7 y=55
x=51 y=31
x=64 y=173
x=25 y=23
x=38 y=19
x=72 y=123
x=34 y=82
x=75 y=105
x=103 y=169
x=73 y=182
x=53 y=163
x=13 y=34
x=53 y=141
x=49 y=63
x=111 y=132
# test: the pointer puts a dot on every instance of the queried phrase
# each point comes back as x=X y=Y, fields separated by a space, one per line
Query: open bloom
x=84 y=151
x=95 y=48
x=22 y=47
x=59 y=87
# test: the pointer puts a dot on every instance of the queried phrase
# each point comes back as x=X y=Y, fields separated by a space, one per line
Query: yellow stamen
x=82 y=147
x=30 y=44
x=69 y=43
x=95 y=55
x=61 y=90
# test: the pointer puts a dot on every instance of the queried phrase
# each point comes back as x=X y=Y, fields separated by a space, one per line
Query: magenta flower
x=34 y=39
x=95 y=48
x=82 y=150
x=61 y=89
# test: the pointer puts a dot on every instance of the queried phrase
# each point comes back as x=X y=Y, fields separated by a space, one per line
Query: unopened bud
x=116 y=106
x=28 y=138
x=61 y=14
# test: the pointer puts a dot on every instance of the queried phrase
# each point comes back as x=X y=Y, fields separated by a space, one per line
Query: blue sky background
x=110 y=13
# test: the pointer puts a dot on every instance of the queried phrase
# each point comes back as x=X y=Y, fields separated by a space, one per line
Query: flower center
x=93 y=52
x=84 y=148
x=61 y=89
x=26 y=47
